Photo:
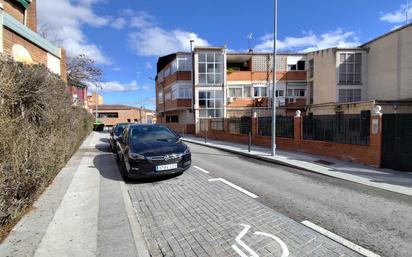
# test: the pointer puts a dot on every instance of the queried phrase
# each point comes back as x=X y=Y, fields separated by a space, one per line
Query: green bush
x=39 y=131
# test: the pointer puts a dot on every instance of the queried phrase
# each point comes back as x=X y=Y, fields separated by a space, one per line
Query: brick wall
x=32 y=16
x=10 y=38
x=365 y=154
x=15 y=9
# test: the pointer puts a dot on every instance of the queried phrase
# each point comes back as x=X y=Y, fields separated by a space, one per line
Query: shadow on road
x=107 y=167
x=103 y=148
x=105 y=140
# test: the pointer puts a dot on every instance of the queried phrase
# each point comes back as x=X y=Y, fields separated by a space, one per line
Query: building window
x=260 y=91
x=350 y=68
x=280 y=93
x=350 y=95
x=184 y=63
x=210 y=68
x=172 y=119
x=129 y=120
x=236 y=92
x=135 y=120
x=311 y=93
x=181 y=91
x=160 y=97
x=211 y=103
x=300 y=65
x=168 y=96
x=311 y=68
x=105 y=115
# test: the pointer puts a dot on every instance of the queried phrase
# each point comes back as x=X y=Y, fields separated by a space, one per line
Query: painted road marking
x=339 y=239
x=202 y=170
x=235 y=187
x=238 y=239
x=285 y=250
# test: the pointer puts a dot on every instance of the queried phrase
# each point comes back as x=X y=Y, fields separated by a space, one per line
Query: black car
x=152 y=150
x=115 y=133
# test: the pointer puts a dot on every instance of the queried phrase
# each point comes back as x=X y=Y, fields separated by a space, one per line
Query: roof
x=387 y=34
x=164 y=61
x=107 y=107
x=115 y=107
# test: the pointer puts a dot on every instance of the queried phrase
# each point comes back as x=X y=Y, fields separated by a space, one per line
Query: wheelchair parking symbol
x=251 y=252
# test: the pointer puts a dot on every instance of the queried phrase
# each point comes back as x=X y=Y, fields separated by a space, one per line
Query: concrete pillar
x=297 y=127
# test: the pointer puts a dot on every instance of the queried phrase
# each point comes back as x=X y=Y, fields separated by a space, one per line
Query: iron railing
x=240 y=125
x=339 y=128
x=284 y=126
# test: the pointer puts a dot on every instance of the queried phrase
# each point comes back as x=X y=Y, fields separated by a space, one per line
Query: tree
x=83 y=69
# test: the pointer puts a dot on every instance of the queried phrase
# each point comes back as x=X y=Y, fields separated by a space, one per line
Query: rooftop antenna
x=249 y=40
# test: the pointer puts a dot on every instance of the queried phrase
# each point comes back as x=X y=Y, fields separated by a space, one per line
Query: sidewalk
x=395 y=181
x=82 y=213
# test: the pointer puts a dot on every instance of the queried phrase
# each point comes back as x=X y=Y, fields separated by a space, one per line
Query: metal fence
x=339 y=128
x=284 y=126
x=240 y=125
x=218 y=124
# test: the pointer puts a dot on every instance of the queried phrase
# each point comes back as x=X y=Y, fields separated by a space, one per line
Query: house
x=19 y=38
x=111 y=115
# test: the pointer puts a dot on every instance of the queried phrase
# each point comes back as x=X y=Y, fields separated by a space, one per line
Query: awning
x=25 y=3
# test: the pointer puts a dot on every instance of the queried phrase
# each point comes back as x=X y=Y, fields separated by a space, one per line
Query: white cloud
x=149 y=39
x=64 y=19
x=149 y=66
x=116 y=86
x=118 y=23
x=310 y=41
x=398 y=16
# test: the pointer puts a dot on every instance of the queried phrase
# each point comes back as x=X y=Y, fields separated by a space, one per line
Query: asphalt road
x=378 y=220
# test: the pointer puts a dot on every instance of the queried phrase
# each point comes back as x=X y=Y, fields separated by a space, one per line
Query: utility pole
x=192 y=74
x=274 y=100
x=407 y=11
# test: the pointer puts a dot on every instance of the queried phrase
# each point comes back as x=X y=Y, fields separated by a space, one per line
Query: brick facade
x=365 y=154
x=15 y=9
x=31 y=20
x=10 y=38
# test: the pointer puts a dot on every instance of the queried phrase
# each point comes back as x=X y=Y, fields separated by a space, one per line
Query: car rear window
x=148 y=133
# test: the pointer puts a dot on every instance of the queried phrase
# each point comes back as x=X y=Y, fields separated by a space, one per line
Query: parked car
x=115 y=133
x=147 y=150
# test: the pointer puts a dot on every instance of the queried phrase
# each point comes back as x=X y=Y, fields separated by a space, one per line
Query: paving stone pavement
x=191 y=216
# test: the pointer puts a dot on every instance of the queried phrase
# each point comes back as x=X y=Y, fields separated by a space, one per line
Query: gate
x=397 y=141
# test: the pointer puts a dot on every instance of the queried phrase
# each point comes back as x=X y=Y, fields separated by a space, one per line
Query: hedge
x=40 y=129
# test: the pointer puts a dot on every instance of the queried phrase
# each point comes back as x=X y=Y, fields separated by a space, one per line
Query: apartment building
x=225 y=85
x=328 y=81
x=174 y=87
x=354 y=79
x=19 y=38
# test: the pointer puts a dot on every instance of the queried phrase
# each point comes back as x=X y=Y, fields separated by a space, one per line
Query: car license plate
x=166 y=167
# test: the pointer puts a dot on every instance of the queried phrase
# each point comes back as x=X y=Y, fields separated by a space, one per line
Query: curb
x=286 y=164
x=253 y=156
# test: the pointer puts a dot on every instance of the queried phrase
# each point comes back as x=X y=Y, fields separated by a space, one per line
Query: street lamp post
x=274 y=100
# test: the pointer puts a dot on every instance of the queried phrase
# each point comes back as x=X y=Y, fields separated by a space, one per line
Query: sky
x=126 y=37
